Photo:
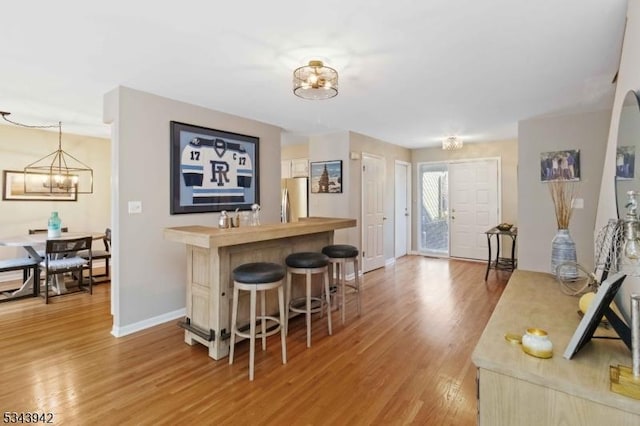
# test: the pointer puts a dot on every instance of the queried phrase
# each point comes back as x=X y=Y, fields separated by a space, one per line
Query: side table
x=501 y=263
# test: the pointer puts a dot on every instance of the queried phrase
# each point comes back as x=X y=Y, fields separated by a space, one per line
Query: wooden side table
x=501 y=263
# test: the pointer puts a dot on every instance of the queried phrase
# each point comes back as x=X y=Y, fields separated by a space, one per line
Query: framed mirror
x=628 y=146
x=627 y=178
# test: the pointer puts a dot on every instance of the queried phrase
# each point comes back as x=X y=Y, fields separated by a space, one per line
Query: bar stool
x=339 y=255
x=308 y=263
x=258 y=277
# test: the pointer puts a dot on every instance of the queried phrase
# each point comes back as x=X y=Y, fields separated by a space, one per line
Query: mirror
x=627 y=148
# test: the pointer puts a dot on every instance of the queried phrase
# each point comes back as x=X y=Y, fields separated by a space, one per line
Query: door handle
x=406 y=214
x=384 y=218
x=453 y=217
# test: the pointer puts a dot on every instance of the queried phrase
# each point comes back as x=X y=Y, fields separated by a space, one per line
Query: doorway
x=459 y=201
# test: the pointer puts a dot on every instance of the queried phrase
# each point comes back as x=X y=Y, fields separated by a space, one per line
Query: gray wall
x=149 y=274
x=536 y=219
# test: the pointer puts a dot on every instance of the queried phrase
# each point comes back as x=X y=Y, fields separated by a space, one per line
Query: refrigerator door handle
x=285 y=207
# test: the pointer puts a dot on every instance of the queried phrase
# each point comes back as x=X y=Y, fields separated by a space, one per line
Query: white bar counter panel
x=517 y=389
x=213 y=253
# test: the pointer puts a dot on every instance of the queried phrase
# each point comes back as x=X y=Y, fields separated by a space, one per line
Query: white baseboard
x=389 y=262
x=150 y=322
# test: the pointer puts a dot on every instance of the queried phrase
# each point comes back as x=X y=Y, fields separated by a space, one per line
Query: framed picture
x=326 y=177
x=212 y=170
x=598 y=309
x=556 y=165
x=625 y=162
x=15 y=188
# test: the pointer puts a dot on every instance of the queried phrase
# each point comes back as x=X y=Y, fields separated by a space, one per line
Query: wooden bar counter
x=517 y=389
x=213 y=253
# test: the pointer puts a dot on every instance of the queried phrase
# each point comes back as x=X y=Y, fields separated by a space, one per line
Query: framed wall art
x=555 y=165
x=15 y=188
x=625 y=162
x=212 y=170
x=326 y=177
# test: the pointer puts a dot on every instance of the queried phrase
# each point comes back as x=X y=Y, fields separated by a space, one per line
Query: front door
x=474 y=197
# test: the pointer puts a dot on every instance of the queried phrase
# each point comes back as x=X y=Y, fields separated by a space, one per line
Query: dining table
x=31 y=244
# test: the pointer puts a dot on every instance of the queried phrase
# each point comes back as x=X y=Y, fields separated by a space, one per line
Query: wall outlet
x=135 y=207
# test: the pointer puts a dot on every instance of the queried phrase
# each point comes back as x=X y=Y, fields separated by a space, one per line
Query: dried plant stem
x=563 y=193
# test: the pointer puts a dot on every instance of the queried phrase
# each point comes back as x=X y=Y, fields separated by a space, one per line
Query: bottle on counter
x=54 y=226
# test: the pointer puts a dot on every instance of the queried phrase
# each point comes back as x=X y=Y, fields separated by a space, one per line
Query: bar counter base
x=213 y=253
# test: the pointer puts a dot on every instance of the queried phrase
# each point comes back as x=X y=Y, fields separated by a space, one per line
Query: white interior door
x=402 y=209
x=473 y=192
x=372 y=213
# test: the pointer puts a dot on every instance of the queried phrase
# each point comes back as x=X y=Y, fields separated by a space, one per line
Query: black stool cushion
x=340 y=251
x=307 y=260
x=259 y=273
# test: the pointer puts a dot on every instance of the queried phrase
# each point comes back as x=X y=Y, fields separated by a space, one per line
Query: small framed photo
x=556 y=165
x=212 y=170
x=34 y=188
x=625 y=162
x=326 y=177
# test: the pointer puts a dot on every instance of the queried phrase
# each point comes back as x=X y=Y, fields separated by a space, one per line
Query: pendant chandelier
x=57 y=172
x=315 y=81
x=451 y=143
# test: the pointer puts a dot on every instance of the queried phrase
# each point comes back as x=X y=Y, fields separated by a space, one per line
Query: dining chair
x=101 y=255
x=61 y=257
x=44 y=231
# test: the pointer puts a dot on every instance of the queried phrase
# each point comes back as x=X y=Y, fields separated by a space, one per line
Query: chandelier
x=315 y=81
x=57 y=172
x=451 y=143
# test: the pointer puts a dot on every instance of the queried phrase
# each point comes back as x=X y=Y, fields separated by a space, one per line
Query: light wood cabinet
x=213 y=253
x=300 y=167
x=517 y=389
x=285 y=169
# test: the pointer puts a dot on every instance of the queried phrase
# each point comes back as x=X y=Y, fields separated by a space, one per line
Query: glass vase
x=563 y=249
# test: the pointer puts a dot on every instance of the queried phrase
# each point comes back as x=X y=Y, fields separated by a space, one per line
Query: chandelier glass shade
x=57 y=172
x=315 y=81
x=451 y=143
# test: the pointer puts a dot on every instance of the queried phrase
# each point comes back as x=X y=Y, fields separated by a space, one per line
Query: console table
x=517 y=389
x=501 y=263
x=213 y=253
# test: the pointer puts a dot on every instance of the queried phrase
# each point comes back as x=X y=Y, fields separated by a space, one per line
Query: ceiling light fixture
x=56 y=172
x=315 y=81
x=451 y=143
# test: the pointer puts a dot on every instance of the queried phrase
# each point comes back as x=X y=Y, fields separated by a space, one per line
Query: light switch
x=578 y=203
x=135 y=207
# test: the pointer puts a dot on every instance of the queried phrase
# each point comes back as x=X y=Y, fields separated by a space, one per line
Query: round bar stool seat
x=308 y=263
x=339 y=255
x=254 y=278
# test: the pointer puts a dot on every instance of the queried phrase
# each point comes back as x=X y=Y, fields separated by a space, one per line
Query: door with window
x=433 y=209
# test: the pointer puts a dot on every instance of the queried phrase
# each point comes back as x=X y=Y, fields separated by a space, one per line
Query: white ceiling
x=411 y=71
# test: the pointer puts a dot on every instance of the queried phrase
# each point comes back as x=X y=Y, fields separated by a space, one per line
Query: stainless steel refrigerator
x=295 y=199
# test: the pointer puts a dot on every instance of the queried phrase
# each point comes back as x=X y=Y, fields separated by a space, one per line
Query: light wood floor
x=407 y=359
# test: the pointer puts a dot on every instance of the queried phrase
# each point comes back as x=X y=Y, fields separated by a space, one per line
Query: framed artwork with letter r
x=212 y=170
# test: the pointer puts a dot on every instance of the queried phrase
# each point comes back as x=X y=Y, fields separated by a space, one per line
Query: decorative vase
x=563 y=249
x=54 y=226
